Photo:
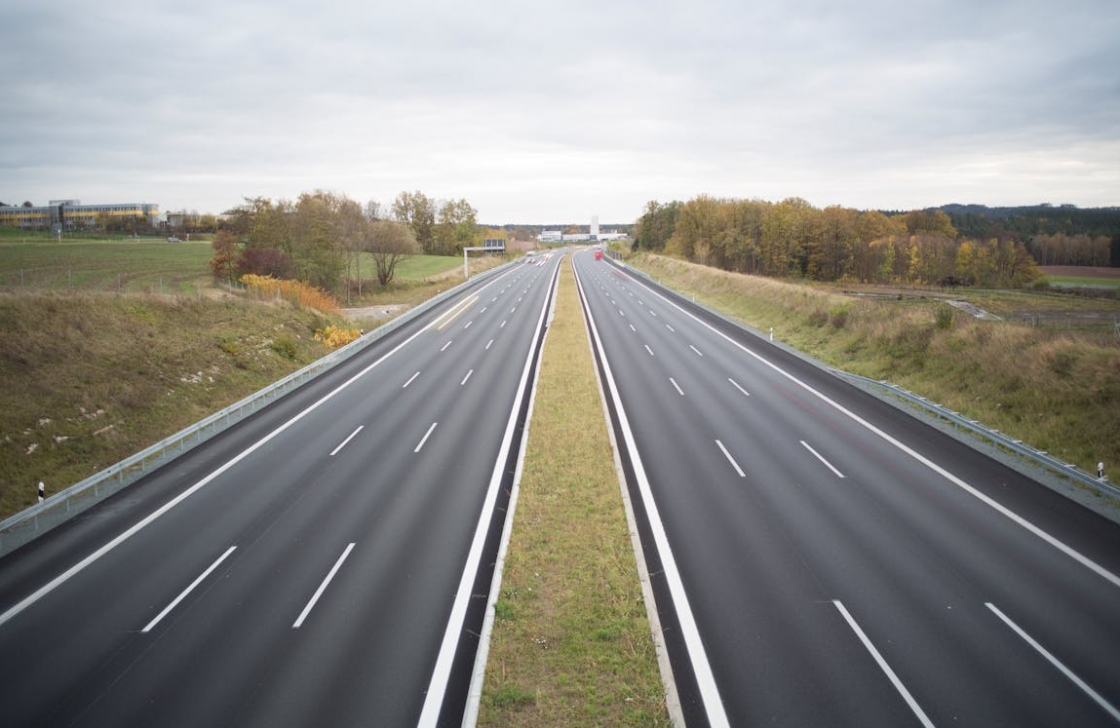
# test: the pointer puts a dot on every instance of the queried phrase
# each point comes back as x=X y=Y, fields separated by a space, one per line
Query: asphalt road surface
x=319 y=564
x=820 y=558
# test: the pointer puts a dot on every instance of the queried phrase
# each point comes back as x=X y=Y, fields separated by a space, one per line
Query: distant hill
x=1023 y=223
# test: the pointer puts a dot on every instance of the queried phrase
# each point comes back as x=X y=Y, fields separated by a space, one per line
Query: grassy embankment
x=571 y=643
x=1057 y=390
x=90 y=377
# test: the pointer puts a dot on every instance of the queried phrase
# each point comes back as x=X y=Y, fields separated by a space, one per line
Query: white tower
x=594 y=227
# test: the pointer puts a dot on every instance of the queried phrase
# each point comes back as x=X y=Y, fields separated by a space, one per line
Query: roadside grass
x=109 y=345
x=92 y=378
x=1056 y=390
x=571 y=642
x=419 y=278
x=423 y=266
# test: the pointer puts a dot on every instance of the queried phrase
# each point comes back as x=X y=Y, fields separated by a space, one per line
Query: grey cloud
x=535 y=107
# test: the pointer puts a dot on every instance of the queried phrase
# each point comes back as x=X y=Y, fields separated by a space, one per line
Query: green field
x=144 y=265
x=37 y=262
x=424 y=266
x=1083 y=282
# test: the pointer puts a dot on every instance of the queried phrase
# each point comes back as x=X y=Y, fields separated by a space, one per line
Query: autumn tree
x=457 y=228
x=697 y=229
x=227 y=256
x=830 y=254
x=656 y=225
x=388 y=243
x=418 y=211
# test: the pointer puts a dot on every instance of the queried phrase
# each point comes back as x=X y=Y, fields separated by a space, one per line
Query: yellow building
x=69 y=214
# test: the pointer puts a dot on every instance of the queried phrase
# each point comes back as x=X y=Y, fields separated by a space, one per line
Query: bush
x=838 y=315
x=335 y=337
x=285 y=347
x=301 y=294
x=944 y=317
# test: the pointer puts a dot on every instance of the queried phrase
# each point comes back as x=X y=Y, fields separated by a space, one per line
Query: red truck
x=598 y=255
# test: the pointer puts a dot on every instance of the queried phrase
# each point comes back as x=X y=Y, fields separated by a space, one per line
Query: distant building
x=68 y=214
x=558 y=236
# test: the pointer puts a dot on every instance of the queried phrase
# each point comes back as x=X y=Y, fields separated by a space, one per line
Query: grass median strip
x=571 y=642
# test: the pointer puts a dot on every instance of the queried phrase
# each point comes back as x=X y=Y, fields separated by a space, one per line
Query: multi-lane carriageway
x=820 y=558
x=817 y=557
x=315 y=566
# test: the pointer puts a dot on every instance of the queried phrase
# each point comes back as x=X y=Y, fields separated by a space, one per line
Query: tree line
x=321 y=237
x=793 y=238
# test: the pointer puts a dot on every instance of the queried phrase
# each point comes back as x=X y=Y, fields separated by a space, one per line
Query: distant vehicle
x=173 y=239
x=598 y=255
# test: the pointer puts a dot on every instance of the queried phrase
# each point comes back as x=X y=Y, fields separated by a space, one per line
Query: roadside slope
x=90 y=379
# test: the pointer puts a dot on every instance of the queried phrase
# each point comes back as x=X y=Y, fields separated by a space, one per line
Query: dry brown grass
x=1057 y=390
x=89 y=379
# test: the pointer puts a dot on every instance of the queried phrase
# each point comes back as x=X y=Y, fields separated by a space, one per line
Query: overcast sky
x=552 y=111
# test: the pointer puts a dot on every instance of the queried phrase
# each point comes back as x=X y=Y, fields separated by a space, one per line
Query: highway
x=820 y=558
x=324 y=563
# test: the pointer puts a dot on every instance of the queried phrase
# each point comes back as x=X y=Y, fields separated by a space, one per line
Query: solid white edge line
x=478 y=676
x=818 y=456
x=676 y=386
x=425 y=437
x=668 y=681
x=188 y=590
x=736 y=385
x=405 y=385
x=441 y=673
x=870 y=647
x=995 y=505
x=322 y=588
x=731 y=460
x=154 y=515
x=690 y=632
x=346 y=441
x=1108 y=707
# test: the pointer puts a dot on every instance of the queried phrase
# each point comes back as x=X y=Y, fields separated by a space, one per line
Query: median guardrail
x=56 y=509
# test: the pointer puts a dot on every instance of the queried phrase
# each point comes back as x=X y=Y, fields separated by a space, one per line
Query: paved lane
x=321 y=570
x=842 y=563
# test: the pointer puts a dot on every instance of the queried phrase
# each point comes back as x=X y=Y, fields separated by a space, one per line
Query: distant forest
x=962 y=244
x=1024 y=223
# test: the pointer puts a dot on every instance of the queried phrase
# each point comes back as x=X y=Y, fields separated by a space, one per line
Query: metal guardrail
x=32 y=522
x=1041 y=458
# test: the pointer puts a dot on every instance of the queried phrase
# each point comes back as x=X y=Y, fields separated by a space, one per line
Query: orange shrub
x=301 y=294
x=334 y=337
